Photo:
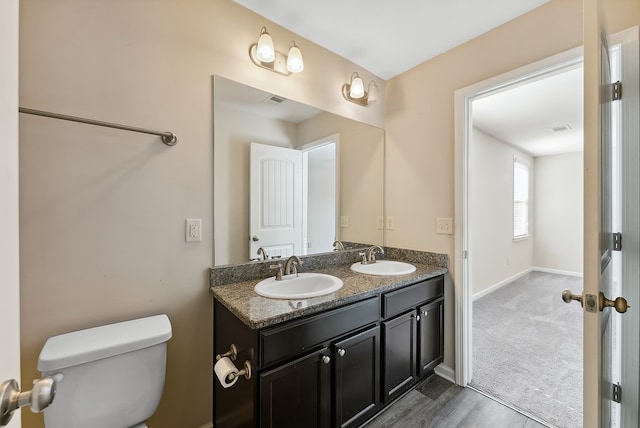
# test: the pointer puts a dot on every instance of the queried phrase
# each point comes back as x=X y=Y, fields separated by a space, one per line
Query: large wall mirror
x=290 y=178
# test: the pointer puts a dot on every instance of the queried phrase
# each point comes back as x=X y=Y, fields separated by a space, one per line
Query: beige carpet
x=527 y=348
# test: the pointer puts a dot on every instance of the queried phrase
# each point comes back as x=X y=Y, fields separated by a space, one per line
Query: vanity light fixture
x=264 y=55
x=354 y=91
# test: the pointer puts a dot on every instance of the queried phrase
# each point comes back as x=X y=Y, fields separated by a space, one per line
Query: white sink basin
x=303 y=286
x=384 y=268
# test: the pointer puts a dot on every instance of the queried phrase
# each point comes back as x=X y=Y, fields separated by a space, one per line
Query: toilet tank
x=107 y=377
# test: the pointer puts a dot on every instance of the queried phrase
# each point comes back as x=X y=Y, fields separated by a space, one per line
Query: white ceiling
x=524 y=116
x=386 y=37
x=389 y=37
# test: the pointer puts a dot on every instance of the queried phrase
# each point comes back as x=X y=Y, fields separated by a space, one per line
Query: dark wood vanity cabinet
x=332 y=369
x=412 y=335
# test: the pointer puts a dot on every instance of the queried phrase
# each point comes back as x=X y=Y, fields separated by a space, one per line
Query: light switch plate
x=344 y=221
x=444 y=226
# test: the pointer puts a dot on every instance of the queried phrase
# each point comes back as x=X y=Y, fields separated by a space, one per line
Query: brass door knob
x=567 y=296
x=620 y=303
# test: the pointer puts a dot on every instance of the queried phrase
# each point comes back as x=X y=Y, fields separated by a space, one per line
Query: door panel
x=275 y=206
x=297 y=394
x=400 y=339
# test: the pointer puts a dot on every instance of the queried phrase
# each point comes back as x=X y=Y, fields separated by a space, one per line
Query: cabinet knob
x=326 y=359
x=341 y=352
x=417 y=317
x=425 y=313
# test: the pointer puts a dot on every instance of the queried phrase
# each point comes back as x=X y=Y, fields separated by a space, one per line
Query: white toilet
x=107 y=377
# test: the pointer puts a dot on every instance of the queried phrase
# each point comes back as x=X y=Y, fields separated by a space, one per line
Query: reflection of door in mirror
x=275 y=204
x=319 y=209
x=293 y=198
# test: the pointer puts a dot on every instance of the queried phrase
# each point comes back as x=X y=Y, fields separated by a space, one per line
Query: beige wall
x=102 y=211
x=361 y=158
x=495 y=256
x=558 y=212
x=420 y=118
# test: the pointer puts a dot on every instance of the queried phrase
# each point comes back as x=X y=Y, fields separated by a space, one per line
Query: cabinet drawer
x=396 y=302
x=279 y=343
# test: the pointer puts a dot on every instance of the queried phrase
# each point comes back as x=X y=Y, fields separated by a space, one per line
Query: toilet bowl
x=110 y=376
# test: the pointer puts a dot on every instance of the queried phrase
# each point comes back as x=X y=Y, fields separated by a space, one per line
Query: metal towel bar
x=169 y=138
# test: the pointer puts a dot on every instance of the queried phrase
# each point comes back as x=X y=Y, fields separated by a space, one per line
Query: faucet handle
x=364 y=258
x=279 y=273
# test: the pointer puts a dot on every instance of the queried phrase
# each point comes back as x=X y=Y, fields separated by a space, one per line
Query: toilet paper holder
x=246 y=372
x=231 y=353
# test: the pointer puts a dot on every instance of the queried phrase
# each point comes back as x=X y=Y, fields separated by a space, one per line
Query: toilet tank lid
x=96 y=343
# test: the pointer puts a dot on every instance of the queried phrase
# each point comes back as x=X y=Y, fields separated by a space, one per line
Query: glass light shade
x=294 y=60
x=374 y=93
x=357 y=87
x=265 y=51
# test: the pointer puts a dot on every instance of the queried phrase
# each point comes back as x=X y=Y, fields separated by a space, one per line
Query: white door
x=275 y=205
x=9 y=249
x=598 y=242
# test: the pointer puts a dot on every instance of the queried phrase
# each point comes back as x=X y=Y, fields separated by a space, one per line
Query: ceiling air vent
x=561 y=128
x=274 y=99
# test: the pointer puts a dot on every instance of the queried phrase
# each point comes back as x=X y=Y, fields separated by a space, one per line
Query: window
x=520 y=198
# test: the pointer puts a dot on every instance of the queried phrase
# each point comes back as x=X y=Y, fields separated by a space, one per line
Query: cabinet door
x=399 y=343
x=297 y=394
x=357 y=377
x=430 y=336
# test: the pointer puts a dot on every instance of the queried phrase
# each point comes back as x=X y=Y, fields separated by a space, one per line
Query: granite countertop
x=259 y=312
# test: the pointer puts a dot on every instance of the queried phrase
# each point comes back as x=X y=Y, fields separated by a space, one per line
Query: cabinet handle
x=341 y=352
x=326 y=359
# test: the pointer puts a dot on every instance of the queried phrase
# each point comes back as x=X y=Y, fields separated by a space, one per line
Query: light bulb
x=374 y=93
x=357 y=87
x=265 y=51
x=294 y=59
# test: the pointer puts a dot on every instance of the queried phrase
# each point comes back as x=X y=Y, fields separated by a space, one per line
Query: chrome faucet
x=369 y=256
x=338 y=246
x=290 y=265
x=262 y=253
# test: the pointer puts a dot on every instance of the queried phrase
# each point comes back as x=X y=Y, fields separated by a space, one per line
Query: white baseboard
x=500 y=284
x=445 y=372
x=207 y=425
x=559 y=272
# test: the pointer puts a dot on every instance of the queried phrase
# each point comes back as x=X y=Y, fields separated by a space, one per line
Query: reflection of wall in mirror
x=361 y=173
x=361 y=164
x=233 y=138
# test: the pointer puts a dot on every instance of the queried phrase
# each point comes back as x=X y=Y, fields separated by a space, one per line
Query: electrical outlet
x=380 y=222
x=444 y=226
x=193 y=230
x=390 y=222
x=344 y=221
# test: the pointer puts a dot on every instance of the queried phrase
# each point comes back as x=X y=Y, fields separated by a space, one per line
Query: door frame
x=463 y=99
x=9 y=215
x=629 y=40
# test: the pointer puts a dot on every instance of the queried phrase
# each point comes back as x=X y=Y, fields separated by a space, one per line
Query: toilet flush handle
x=11 y=398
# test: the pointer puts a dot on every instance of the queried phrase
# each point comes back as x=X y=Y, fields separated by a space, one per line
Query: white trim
x=558 y=271
x=463 y=302
x=445 y=372
x=499 y=285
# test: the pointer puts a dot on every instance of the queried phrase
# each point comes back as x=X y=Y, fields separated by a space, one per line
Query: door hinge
x=617 y=393
x=616 y=91
x=617 y=241
x=465 y=254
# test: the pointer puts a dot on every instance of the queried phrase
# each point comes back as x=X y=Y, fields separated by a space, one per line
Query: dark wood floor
x=436 y=403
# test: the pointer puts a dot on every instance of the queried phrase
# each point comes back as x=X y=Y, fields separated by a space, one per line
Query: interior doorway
x=498 y=227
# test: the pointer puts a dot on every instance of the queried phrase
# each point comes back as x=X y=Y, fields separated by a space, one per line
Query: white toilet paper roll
x=223 y=368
